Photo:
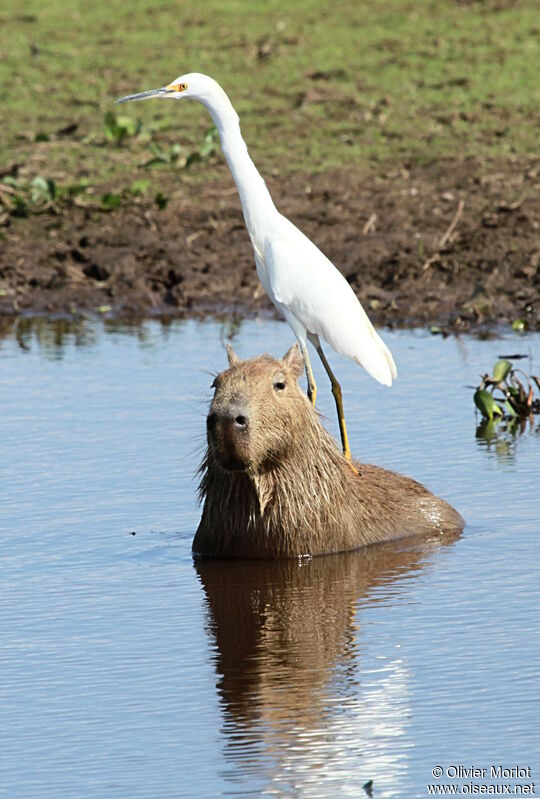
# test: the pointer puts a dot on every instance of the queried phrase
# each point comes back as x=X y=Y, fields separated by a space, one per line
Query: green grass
x=407 y=80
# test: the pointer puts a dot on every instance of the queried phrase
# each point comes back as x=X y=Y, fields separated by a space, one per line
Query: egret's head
x=192 y=86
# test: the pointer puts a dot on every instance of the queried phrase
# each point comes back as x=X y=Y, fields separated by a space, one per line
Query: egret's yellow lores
x=303 y=284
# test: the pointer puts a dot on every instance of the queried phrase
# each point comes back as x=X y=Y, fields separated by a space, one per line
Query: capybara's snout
x=228 y=428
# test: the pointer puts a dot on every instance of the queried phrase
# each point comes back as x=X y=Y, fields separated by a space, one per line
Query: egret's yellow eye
x=176 y=87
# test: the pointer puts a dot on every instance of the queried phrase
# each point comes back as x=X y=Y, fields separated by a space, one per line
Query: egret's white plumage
x=305 y=284
x=301 y=281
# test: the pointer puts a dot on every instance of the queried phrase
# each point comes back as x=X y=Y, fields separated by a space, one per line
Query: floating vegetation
x=508 y=392
x=508 y=400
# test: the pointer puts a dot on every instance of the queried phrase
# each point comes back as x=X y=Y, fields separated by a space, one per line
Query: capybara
x=275 y=485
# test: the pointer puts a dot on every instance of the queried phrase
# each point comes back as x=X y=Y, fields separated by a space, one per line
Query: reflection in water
x=288 y=637
x=52 y=335
x=500 y=436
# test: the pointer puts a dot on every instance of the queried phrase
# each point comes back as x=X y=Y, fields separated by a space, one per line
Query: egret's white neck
x=256 y=201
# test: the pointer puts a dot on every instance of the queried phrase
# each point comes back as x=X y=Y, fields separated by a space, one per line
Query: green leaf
x=139 y=186
x=42 y=189
x=208 y=148
x=110 y=125
x=501 y=370
x=175 y=151
x=128 y=125
x=159 y=156
x=110 y=201
x=161 y=200
x=486 y=404
x=117 y=128
x=157 y=161
x=20 y=207
x=73 y=189
x=509 y=409
x=193 y=158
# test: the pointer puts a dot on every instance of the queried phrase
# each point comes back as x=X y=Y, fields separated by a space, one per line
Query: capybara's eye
x=279 y=385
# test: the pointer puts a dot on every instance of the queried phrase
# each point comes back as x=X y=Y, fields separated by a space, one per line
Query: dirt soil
x=449 y=244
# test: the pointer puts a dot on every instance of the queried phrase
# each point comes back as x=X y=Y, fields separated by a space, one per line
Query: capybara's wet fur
x=275 y=484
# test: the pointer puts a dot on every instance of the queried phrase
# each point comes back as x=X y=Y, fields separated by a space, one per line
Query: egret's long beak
x=144 y=95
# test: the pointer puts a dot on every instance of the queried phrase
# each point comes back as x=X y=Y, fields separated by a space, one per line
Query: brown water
x=126 y=670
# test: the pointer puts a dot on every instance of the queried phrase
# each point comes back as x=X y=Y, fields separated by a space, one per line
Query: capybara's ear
x=294 y=361
x=232 y=356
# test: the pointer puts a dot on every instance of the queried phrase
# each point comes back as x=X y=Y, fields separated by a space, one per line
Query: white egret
x=303 y=284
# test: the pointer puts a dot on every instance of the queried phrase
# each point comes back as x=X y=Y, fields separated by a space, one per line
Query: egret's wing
x=309 y=286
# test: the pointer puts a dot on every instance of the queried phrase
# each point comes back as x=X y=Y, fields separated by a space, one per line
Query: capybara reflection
x=275 y=485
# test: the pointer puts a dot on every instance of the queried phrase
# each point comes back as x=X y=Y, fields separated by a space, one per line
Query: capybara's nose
x=234 y=415
x=241 y=421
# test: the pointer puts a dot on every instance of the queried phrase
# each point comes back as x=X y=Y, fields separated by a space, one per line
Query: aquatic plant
x=508 y=392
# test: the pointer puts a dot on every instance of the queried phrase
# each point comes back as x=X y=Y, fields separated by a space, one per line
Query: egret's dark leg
x=336 y=391
x=311 y=385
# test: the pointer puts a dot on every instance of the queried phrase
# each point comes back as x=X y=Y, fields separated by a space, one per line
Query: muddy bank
x=452 y=244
